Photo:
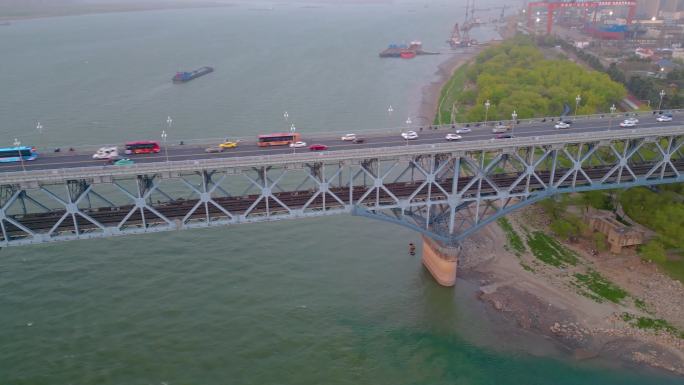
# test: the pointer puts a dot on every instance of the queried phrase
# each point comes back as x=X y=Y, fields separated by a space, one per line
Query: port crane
x=551 y=7
x=460 y=35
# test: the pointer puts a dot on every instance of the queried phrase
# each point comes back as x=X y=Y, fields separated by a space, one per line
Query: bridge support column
x=441 y=261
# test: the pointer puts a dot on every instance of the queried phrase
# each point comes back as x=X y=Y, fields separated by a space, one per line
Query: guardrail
x=54 y=175
x=204 y=142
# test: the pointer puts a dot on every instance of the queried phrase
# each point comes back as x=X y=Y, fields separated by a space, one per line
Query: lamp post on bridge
x=166 y=148
x=39 y=128
x=408 y=128
x=293 y=129
x=286 y=116
x=487 y=105
x=169 y=121
x=662 y=94
x=389 y=115
x=514 y=115
x=17 y=143
x=610 y=120
x=578 y=99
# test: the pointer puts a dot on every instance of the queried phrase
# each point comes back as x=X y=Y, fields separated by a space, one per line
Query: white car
x=632 y=120
x=463 y=130
x=500 y=128
x=106 y=153
x=453 y=137
x=664 y=118
x=562 y=125
x=348 y=137
x=298 y=144
x=628 y=123
x=409 y=135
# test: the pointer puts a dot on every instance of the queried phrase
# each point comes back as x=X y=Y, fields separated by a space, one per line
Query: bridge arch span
x=446 y=191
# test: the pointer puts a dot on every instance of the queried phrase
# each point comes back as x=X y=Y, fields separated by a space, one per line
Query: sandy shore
x=431 y=92
x=545 y=302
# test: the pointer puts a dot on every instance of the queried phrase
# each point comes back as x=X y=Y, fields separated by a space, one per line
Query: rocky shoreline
x=581 y=327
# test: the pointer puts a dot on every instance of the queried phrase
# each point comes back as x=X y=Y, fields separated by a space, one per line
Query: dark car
x=503 y=136
x=358 y=140
x=318 y=147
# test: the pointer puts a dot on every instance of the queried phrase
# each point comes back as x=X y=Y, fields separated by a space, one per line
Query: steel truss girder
x=446 y=196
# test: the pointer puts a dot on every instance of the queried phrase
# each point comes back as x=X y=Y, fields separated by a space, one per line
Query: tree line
x=644 y=88
x=515 y=76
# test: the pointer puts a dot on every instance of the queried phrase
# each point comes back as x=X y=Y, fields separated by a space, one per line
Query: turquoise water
x=327 y=301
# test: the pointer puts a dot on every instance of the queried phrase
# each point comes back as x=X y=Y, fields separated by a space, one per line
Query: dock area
x=405 y=51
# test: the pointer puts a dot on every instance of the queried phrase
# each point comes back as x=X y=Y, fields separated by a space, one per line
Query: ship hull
x=183 y=77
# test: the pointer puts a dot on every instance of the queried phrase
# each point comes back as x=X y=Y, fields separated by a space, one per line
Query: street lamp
x=17 y=143
x=487 y=105
x=293 y=129
x=166 y=147
x=169 y=121
x=578 y=99
x=612 y=112
x=662 y=94
x=389 y=115
x=514 y=115
x=408 y=128
x=286 y=115
x=39 y=128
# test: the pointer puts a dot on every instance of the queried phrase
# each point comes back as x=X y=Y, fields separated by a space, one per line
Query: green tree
x=515 y=76
x=562 y=228
x=596 y=199
x=553 y=208
x=653 y=251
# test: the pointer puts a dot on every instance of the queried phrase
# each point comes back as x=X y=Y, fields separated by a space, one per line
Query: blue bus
x=17 y=154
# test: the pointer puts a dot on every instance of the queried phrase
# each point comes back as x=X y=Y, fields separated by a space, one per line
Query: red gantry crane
x=551 y=7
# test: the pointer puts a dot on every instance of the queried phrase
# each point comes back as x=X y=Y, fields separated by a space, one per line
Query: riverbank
x=604 y=307
x=431 y=92
x=550 y=301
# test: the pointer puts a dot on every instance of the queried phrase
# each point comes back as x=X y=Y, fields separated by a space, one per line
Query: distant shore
x=8 y=14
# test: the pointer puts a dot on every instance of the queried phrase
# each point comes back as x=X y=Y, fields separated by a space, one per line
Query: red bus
x=277 y=139
x=142 y=147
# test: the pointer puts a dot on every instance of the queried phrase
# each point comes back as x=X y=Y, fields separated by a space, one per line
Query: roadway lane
x=373 y=140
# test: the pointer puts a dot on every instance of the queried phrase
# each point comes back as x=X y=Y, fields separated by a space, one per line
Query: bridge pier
x=441 y=261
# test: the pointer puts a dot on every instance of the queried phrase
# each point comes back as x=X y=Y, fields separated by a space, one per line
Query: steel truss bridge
x=446 y=191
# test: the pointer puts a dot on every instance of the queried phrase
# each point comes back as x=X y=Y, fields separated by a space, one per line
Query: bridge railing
x=315 y=135
x=19 y=177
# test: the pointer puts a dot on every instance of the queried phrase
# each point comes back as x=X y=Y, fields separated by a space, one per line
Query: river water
x=325 y=301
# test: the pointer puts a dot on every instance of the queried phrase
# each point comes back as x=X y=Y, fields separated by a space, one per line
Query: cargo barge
x=406 y=51
x=607 y=32
x=182 y=77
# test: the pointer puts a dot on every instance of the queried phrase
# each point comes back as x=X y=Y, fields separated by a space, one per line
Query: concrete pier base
x=440 y=261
